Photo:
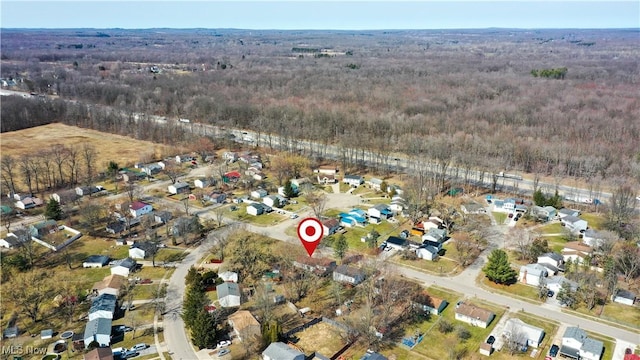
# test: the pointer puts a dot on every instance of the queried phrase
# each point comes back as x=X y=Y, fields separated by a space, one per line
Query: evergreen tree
x=195 y=300
x=53 y=210
x=203 y=330
x=498 y=268
x=271 y=331
x=372 y=239
x=340 y=247
x=289 y=191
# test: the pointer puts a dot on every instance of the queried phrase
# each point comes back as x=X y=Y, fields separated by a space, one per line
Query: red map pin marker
x=310 y=233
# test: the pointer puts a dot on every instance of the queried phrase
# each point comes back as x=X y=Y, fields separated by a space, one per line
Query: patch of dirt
x=322 y=338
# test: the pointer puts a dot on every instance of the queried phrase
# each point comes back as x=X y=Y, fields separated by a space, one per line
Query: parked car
x=223 y=343
x=550 y=293
x=510 y=215
x=554 y=350
x=138 y=347
x=223 y=352
x=491 y=339
x=294 y=216
x=146 y=281
x=123 y=328
x=129 y=354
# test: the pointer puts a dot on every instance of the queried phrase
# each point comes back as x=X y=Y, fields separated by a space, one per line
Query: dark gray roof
x=104 y=302
x=129 y=263
x=571 y=219
x=575 y=332
x=349 y=271
x=282 y=351
x=97 y=326
x=570 y=352
x=592 y=345
x=98 y=259
x=227 y=288
x=147 y=246
x=625 y=294
x=396 y=241
x=554 y=256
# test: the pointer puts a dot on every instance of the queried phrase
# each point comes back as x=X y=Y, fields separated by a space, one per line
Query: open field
x=109 y=147
x=322 y=338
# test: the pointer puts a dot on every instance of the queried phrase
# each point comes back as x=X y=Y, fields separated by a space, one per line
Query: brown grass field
x=123 y=150
x=322 y=338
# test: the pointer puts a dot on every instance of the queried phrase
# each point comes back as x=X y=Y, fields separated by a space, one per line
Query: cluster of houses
x=37 y=233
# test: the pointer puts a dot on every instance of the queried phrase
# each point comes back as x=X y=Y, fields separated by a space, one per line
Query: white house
x=353 y=180
x=330 y=226
x=201 y=183
x=184 y=158
x=326 y=170
x=348 y=274
x=255 y=209
x=12 y=240
x=564 y=212
x=397 y=204
x=123 y=267
x=28 y=202
x=396 y=243
x=152 y=169
x=553 y=261
x=380 y=211
x=624 y=297
x=95 y=261
x=374 y=183
x=139 y=208
x=141 y=250
x=576 y=252
x=474 y=315
x=574 y=224
x=427 y=252
x=433 y=222
x=274 y=200
x=98 y=330
x=546 y=213
x=178 y=188
x=103 y=306
x=326 y=178
x=532 y=274
x=593 y=238
x=228 y=294
x=555 y=283
x=281 y=351
x=576 y=345
x=88 y=190
x=229 y=276
x=230 y=156
x=259 y=193
x=111 y=284
x=525 y=334
x=245 y=326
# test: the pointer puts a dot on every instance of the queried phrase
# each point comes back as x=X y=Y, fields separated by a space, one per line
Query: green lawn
x=170 y=255
x=596 y=221
x=525 y=292
x=500 y=217
x=344 y=187
x=555 y=228
x=615 y=312
x=440 y=267
x=154 y=273
x=146 y=291
x=261 y=220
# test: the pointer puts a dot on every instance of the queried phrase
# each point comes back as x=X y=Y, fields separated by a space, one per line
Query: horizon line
x=312 y=29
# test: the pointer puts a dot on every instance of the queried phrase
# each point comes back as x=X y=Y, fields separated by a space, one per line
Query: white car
x=223 y=343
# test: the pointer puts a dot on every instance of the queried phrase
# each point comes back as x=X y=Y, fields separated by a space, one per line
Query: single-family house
x=245 y=326
x=576 y=252
x=472 y=207
x=552 y=261
x=380 y=211
x=111 y=284
x=98 y=330
x=485 y=349
x=28 y=202
x=522 y=333
x=474 y=315
x=231 y=177
x=564 y=212
x=215 y=197
x=88 y=190
x=545 y=213
x=427 y=252
x=179 y=188
x=433 y=222
x=185 y=158
x=394 y=189
x=151 y=169
x=131 y=175
x=15 y=239
x=326 y=170
x=255 y=173
x=574 y=224
x=100 y=353
x=274 y=200
x=330 y=226
x=103 y=306
x=374 y=183
x=577 y=345
x=39 y=229
x=355 y=217
x=259 y=193
x=509 y=204
x=123 y=267
x=230 y=156
x=230 y=276
x=319 y=266
x=435 y=235
x=593 y=238
x=353 y=180
x=11 y=332
x=372 y=355
x=162 y=217
x=139 y=208
x=431 y=304
x=624 y=297
x=555 y=283
x=201 y=183
x=255 y=209
x=396 y=243
x=281 y=351
x=299 y=182
x=326 y=178
x=228 y=294
x=348 y=274
x=65 y=197
x=398 y=204
x=532 y=274
x=116 y=227
x=142 y=250
x=95 y=261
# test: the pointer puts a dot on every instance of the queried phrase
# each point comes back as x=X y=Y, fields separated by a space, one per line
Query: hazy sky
x=305 y=14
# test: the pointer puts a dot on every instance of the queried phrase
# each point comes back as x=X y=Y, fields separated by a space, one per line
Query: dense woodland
x=555 y=102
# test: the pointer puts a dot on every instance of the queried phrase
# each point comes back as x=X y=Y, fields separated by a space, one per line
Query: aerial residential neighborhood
x=225 y=193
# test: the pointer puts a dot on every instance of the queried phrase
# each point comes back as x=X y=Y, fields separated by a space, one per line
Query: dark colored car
x=491 y=339
x=554 y=350
x=510 y=215
x=223 y=352
x=550 y=293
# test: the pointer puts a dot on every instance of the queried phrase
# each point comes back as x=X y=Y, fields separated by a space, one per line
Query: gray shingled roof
x=281 y=351
x=97 y=326
x=593 y=346
x=129 y=263
x=98 y=259
x=575 y=332
x=104 y=302
x=226 y=289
